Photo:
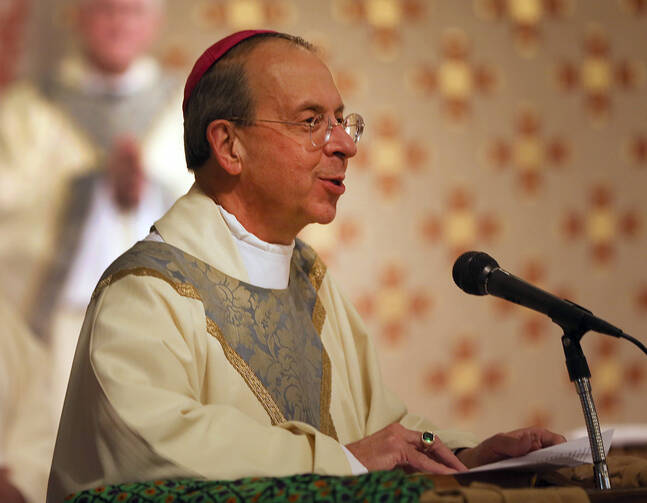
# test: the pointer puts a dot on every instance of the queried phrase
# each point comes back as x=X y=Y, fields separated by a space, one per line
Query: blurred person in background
x=26 y=434
x=88 y=159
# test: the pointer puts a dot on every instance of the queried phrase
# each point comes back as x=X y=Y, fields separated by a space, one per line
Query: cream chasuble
x=26 y=431
x=267 y=266
x=185 y=369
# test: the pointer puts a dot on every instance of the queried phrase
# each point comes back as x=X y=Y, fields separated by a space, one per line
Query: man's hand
x=8 y=492
x=395 y=445
x=125 y=172
x=509 y=445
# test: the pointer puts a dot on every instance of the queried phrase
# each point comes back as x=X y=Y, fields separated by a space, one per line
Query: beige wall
x=518 y=128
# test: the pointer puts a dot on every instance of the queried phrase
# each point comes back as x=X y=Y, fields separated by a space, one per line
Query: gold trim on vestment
x=241 y=366
x=317 y=273
x=184 y=289
x=248 y=375
x=326 y=424
x=318 y=315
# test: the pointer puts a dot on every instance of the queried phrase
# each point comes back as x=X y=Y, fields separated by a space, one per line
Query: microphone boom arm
x=579 y=374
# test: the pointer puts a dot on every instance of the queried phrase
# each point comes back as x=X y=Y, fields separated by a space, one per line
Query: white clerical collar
x=267 y=264
x=77 y=73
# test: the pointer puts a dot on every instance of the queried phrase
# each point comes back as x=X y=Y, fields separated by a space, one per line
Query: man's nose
x=340 y=143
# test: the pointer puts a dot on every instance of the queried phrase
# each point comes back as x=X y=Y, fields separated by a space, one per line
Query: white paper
x=572 y=453
x=623 y=434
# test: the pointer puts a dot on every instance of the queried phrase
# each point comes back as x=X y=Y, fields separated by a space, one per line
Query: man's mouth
x=338 y=180
x=336 y=184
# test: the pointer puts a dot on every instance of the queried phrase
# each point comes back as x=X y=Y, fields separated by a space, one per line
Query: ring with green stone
x=427 y=439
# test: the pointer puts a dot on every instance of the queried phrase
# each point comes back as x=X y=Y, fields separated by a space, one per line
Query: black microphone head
x=471 y=270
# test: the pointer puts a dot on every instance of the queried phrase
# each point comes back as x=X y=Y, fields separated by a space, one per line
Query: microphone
x=479 y=274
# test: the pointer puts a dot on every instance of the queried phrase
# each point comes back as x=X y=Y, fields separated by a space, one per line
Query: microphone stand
x=579 y=373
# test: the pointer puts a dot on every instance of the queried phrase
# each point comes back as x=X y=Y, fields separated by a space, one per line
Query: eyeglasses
x=320 y=133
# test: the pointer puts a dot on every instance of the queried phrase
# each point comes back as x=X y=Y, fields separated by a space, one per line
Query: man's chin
x=113 y=64
x=326 y=217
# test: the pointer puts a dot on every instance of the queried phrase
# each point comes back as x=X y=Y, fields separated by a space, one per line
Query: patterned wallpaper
x=516 y=127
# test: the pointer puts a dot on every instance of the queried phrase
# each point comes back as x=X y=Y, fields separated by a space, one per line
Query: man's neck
x=265 y=231
x=116 y=80
x=261 y=225
x=242 y=234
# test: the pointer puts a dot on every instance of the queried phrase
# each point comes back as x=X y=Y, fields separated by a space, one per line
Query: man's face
x=115 y=32
x=284 y=178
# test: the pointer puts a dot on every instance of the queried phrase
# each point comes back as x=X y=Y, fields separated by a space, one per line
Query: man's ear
x=223 y=143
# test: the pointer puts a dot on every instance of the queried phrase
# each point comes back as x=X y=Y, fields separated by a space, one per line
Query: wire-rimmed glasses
x=321 y=130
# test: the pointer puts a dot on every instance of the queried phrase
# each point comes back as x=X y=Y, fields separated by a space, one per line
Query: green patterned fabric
x=385 y=487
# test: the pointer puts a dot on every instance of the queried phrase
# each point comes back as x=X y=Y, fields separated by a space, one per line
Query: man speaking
x=219 y=347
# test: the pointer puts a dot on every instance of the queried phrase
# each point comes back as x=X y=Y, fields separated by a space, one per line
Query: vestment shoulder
x=152 y=259
x=22 y=96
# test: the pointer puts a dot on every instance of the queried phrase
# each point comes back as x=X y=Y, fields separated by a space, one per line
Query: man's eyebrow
x=318 y=108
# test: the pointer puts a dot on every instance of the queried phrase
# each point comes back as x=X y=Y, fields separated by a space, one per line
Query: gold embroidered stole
x=271 y=337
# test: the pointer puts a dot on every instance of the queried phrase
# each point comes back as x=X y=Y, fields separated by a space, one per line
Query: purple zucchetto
x=213 y=54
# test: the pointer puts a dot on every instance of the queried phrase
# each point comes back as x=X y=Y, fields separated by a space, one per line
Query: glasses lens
x=354 y=126
x=318 y=131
